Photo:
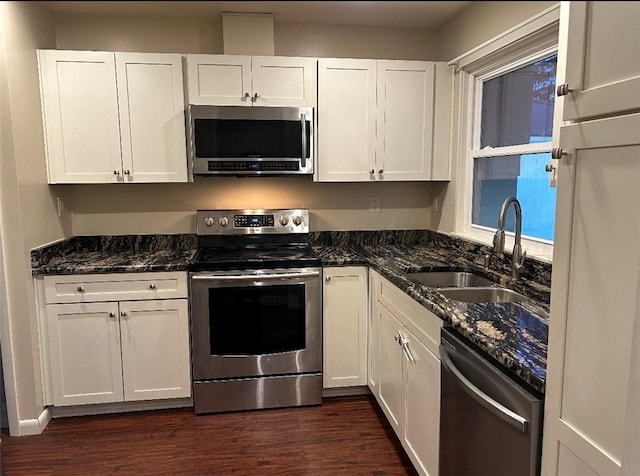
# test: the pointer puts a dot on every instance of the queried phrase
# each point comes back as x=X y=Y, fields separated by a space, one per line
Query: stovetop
x=280 y=256
x=253 y=239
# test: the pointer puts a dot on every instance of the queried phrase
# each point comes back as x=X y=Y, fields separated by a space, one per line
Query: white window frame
x=530 y=41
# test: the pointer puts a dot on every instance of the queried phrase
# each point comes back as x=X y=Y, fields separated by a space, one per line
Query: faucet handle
x=519 y=263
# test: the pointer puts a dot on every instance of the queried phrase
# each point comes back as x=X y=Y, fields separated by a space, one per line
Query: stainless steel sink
x=449 y=279
x=483 y=294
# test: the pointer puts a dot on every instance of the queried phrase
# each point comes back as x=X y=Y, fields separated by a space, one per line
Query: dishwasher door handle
x=482 y=398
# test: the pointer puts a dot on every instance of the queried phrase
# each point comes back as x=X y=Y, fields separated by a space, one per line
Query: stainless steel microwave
x=243 y=140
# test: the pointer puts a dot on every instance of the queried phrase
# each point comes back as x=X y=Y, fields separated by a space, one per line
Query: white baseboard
x=35 y=426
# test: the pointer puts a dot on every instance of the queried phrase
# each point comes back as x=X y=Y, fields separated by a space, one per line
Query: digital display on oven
x=248 y=221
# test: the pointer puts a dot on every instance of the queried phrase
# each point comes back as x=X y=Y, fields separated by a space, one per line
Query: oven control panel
x=244 y=222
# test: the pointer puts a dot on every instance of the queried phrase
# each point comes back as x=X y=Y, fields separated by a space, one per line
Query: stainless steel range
x=256 y=311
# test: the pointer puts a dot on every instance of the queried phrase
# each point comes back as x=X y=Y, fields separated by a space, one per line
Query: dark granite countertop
x=514 y=334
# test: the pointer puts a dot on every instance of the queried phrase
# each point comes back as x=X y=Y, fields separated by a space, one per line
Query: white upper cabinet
x=405 y=96
x=151 y=101
x=113 y=117
x=235 y=80
x=80 y=108
x=346 y=120
x=383 y=120
x=603 y=59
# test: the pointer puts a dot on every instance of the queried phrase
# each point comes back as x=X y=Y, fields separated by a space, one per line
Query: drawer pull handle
x=152 y=286
x=80 y=289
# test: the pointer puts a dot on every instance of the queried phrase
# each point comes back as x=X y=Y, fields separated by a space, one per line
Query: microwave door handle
x=303 y=124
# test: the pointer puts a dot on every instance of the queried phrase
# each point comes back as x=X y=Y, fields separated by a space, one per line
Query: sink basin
x=483 y=294
x=450 y=279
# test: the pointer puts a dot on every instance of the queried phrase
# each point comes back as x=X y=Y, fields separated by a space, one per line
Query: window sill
x=543 y=257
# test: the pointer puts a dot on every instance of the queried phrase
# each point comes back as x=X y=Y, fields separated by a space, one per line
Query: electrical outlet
x=374 y=204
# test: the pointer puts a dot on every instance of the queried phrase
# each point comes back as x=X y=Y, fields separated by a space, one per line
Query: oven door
x=256 y=322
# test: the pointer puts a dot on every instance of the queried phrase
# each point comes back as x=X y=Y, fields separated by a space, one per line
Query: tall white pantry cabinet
x=592 y=414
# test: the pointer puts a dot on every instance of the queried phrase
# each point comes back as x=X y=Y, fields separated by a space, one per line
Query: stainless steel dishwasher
x=489 y=424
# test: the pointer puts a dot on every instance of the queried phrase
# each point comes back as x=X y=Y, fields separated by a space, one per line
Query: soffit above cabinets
x=384 y=14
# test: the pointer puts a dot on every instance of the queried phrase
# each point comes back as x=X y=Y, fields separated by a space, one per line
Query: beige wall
x=145 y=34
x=29 y=216
x=82 y=31
x=474 y=25
x=169 y=208
x=481 y=21
x=339 y=41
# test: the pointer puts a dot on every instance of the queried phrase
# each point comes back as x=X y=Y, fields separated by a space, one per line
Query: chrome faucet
x=517 y=258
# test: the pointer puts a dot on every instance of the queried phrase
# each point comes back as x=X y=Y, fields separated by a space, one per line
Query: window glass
x=517 y=107
x=521 y=176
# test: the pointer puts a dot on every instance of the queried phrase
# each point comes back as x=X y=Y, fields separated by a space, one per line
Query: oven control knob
x=224 y=221
x=297 y=220
x=208 y=221
x=284 y=220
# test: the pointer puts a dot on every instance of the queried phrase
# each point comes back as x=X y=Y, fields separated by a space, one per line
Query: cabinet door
x=603 y=59
x=346 y=120
x=220 y=80
x=373 y=371
x=594 y=296
x=155 y=349
x=405 y=108
x=84 y=347
x=151 y=101
x=345 y=327
x=80 y=110
x=283 y=81
x=422 y=406
x=390 y=385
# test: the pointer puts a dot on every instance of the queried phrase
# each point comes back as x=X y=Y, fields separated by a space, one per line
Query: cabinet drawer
x=416 y=318
x=115 y=287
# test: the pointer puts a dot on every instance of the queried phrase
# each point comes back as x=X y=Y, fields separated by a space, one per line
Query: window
x=512 y=146
x=506 y=98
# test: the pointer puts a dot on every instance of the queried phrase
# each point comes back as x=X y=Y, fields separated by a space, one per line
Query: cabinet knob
x=123 y=314
x=246 y=95
x=127 y=172
x=112 y=314
x=380 y=171
x=80 y=289
x=372 y=171
x=327 y=278
x=116 y=172
x=558 y=153
x=255 y=97
x=152 y=286
x=563 y=89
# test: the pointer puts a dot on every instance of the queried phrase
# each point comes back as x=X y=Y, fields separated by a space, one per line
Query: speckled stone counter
x=514 y=334
x=115 y=254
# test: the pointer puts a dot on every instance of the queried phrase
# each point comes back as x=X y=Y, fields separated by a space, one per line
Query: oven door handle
x=255 y=277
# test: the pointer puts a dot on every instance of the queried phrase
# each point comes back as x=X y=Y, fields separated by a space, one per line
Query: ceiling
x=389 y=14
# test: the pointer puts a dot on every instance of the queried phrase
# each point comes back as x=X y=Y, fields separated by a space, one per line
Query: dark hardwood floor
x=343 y=436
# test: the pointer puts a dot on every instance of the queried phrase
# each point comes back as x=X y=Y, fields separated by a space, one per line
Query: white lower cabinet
x=345 y=326
x=405 y=371
x=117 y=351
